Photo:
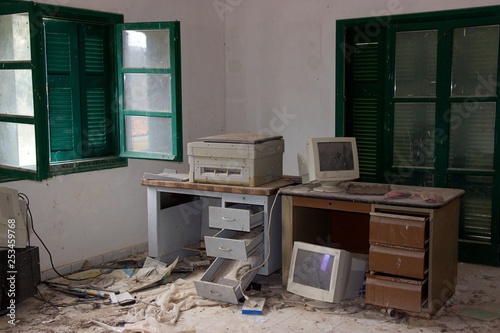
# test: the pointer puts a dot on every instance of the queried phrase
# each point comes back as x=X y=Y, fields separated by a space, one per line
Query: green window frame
x=71 y=117
x=370 y=107
x=18 y=120
x=150 y=90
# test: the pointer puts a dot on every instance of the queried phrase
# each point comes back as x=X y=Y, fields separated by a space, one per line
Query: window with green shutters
x=60 y=92
x=79 y=94
x=420 y=94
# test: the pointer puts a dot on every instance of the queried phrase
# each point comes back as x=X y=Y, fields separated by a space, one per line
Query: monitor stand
x=329 y=187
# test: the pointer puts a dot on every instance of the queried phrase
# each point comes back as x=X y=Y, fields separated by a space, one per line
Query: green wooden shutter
x=61 y=119
x=363 y=103
x=63 y=98
x=78 y=66
x=473 y=146
x=95 y=92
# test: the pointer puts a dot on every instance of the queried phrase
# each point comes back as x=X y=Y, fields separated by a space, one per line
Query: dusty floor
x=477 y=293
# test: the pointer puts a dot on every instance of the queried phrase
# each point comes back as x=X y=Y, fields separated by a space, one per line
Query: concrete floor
x=477 y=293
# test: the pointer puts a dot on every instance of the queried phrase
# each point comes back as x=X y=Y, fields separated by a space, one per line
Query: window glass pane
x=17 y=145
x=148 y=134
x=476 y=205
x=414 y=134
x=15 y=41
x=416 y=59
x=147 y=92
x=475 y=61
x=16 y=92
x=137 y=42
x=472 y=135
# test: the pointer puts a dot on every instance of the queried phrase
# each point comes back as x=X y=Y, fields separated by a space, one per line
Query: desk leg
x=153 y=197
x=286 y=237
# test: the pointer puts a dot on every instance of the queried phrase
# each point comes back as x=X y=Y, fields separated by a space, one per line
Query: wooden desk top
x=415 y=200
x=264 y=189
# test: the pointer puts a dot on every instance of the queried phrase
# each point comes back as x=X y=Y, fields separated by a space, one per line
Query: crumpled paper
x=166 y=303
x=160 y=308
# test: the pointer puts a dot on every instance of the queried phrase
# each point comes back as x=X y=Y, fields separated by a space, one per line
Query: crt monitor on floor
x=325 y=274
x=329 y=161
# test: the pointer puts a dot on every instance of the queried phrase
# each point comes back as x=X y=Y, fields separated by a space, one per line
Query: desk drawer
x=399 y=230
x=237 y=217
x=232 y=244
x=397 y=293
x=398 y=261
x=221 y=280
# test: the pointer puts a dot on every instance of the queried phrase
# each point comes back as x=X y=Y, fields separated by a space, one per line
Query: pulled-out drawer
x=400 y=230
x=232 y=244
x=238 y=217
x=221 y=281
x=398 y=261
x=396 y=293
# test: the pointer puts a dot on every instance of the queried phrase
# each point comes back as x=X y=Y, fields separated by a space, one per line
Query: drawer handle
x=215 y=293
x=225 y=249
x=228 y=219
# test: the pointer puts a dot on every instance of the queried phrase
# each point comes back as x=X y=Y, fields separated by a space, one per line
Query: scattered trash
x=108 y=327
x=122 y=299
x=164 y=304
x=479 y=313
x=253 y=306
x=320 y=305
x=101 y=282
x=167 y=174
x=197 y=261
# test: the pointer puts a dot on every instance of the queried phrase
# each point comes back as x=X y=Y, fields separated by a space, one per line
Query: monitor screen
x=335 y=156
x=331 y=161
x=315 y=269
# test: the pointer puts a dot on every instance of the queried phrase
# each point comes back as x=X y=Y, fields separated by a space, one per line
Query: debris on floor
x=101 y=282
x=175 y=301
x=157 y=309
x=480 y=313
x=165 y=303
x=253 y=306
x=151 y=304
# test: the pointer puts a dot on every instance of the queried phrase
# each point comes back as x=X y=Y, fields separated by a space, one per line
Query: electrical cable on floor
x=91 y=300
x=28 y=219
x=28 y=212
x=240 y=281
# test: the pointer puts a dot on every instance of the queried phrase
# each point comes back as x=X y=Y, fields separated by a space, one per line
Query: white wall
x=247 y=66
x=280 y=63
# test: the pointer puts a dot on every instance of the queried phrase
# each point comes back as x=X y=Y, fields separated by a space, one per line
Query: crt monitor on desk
x=329 y=161
x=325 y=274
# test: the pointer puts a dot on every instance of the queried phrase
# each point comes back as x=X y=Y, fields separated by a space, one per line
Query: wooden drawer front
x=398 y=261
x=221 y=280
x=240 y=218
x=232 y=244
x=388 y=292
x=400 y=230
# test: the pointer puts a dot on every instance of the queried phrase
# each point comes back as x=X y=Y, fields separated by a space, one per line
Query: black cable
x=28 y=212
x=27 y=224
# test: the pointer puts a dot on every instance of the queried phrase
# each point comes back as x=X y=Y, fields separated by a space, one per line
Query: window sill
x=7 y=178
x=92 y=164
